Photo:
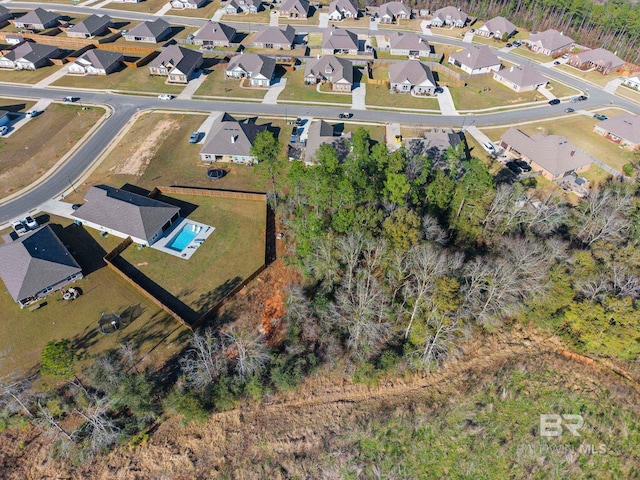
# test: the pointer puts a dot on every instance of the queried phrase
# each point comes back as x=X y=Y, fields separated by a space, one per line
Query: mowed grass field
x=233 y=251
x=297 y=91
x=33 y=149
x=23 y=334
x=28 y=76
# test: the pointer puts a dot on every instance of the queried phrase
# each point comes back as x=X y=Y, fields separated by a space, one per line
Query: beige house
x=623 y=129
x=337 y=71
x=522 y=78
x=600 y=59
x=550 y=42
x=176 y=63
x=476 y=59
x=552 y=155
x=497 y=27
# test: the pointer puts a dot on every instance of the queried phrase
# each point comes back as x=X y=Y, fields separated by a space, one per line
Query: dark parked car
x=299 y=122
x=345 y=115
x=569 y=110
x=582 y=98
x=556 y=62
x=599 y=116
x=509 y=45
x=555 y=101
x=513 y=166
x=523 y=165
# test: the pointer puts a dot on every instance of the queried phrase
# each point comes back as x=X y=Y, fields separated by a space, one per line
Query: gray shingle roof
x=407 y=41
x=341 y=69
x=5 y=13
x=344 y=6
x=253 y=64
x=31 y=52
x=476 y=56
x=100 y=58
x=625 y=125
x=91 y=25
x=125 y=212
x=284 y=35
x=339 y=39
x=300 y=6
x=499 y=24
x=34 y=262
x=452 y=12
x=435 y=143
x=551 y=39
x=39 y=16
x=230 y=137
x=393 y=9
x=319 y=132
x=214 y=31
x=178 y=58
x=600 y=56
x=523 y=76
x=411 y=71
x=147 y=29
x=552 y=152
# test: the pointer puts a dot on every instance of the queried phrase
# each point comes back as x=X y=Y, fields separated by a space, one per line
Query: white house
x=476 y=59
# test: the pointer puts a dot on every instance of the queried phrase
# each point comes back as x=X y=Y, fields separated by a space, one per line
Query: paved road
x=124 y=106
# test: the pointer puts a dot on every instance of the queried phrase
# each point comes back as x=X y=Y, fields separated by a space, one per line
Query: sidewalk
x=163 y=10
x=217 y=16
x=192 y=86
x=546 y=92
x=478 y=135
x=447 y=107
x=468 y=37
x=271 y=97
x=102 y=4
x=358 y=97
x=53 y=77
x=57 y=207
x=206 y=125
x=323 y=21
x=274 y=18
x=613 y=85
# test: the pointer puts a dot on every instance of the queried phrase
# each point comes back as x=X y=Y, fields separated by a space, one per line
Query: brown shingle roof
x=625 y=125
x=476 y=56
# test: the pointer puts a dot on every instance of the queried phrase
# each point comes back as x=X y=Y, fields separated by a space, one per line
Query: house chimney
x=233 y=138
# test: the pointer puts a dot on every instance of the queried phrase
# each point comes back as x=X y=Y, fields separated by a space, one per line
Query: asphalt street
x=124 y=106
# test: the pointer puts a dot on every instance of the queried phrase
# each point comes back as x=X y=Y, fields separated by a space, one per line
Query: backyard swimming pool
x=184 y=237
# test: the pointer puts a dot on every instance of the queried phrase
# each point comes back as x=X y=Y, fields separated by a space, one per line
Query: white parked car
x=488 y=146
x=19 y=228
x=32 y=113
x=31 y=223
x=165 y=96
x=4 y=129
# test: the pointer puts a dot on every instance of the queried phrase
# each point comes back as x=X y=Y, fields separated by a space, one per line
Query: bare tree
x=101 y=430
x=248 y=351
x=324 y=265
x=50 y=425
x=433 y=232
x=441 y=340
x=205 y=360
x=604 y=215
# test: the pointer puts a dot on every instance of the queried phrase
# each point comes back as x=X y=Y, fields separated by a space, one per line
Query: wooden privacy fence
x=213 y=192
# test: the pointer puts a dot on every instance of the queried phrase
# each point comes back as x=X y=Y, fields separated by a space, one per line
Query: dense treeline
x=402 y=257
x=614 y=24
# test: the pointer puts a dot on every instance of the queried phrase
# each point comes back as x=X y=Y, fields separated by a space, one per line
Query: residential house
x=522 y=78
x=632 y=82
x=176 y=63
x=319 y=133
x=497 y=27
x=600 y=59
x=230 y=141
x=408 y=44
x=550 y=42
x=5 y=14
x=623 y=129
x=554 y=156
x=259 y=69
x=235 y=7
x=28 y=56
x=214 y=34
x=187 y=4
x=90 y=27
x=341 y=9
x=328 y=68
x=13 y=39
x=340 y=41
x=96 y=62
x=149 y=32
x=476 y=59
x=126 y=214
x=411 y=76
x=294 y=9
x=450 y=16
x=434 y=144
x=393 y=11
x=38 y=19
x=35 y=265
x=275 y=38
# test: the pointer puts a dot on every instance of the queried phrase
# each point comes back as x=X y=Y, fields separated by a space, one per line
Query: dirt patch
x=138 y=158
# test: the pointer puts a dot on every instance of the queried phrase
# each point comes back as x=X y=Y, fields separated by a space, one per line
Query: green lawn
x=592 y=76
x=484 y=92
x=297 y=91
x=23 y=334
x=128 y=79
x=24 y=156
x=229 y=255
x=218 y=85
x=596 y=175
x=28 y=76
x=561 y=90
x=629 y=93
x=525 y=52
x=578 y=129
x=379 y=95
x=260 y=17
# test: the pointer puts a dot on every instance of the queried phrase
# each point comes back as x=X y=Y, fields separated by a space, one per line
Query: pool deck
x=192 y=247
